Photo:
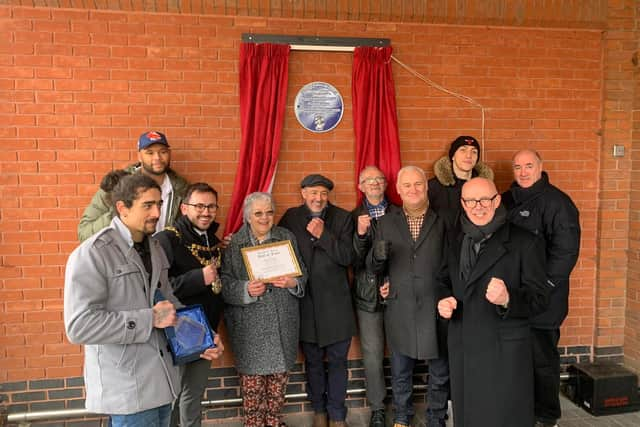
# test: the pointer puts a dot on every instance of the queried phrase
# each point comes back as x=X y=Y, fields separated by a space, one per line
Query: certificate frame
x=256 y=260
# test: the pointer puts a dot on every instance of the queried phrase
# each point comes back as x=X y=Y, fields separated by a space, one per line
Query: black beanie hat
x=463 y=140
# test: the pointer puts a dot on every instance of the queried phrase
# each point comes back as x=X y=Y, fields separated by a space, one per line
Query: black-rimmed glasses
x=200 y=207
x=485 y=202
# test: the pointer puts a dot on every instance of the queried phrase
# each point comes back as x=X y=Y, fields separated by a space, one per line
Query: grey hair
x=411 y=168
x=527 y=150
x=251 y=199
x=367 y=168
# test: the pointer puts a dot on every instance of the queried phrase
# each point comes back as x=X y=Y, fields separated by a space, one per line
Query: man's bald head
x=480 y=199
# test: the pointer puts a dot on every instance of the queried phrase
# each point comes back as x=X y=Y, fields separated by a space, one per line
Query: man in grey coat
x=112 y=281
x=407 y=247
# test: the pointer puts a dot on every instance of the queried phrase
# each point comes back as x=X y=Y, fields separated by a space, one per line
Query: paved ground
x=573 y=416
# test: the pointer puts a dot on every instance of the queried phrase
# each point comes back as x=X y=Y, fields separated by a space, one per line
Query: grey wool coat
x=263 y=331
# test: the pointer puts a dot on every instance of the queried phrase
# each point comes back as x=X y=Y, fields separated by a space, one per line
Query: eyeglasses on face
x=260 y=214
x=374 y=180
x=200 y=207
x=485 y=202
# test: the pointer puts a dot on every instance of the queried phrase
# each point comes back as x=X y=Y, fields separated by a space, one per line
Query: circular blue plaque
x=319 y=107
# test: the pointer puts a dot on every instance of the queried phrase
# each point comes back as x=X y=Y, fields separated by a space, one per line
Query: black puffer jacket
x=545 y=210
x=445 y=188
x=366 y=290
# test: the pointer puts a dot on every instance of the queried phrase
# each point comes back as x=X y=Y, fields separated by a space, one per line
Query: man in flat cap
x=324 y=233
x=154 y=160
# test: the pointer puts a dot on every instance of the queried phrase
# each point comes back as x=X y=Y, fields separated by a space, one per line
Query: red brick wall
x=82 y=85
x=623 y=113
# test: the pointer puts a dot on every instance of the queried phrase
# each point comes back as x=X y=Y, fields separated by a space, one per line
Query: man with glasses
x=407 y=247
x=194 y=253
x=325 y=237
x=372 y=183
x=154 y=160
x=533 y=203
x=492 y=281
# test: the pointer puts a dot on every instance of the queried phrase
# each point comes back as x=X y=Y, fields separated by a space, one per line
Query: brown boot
x=338 y=423
x=320 y=419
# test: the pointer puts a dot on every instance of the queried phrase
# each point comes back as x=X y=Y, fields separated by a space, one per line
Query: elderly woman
x=262 y=318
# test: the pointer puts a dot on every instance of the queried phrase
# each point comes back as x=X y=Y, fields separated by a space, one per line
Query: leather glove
x=381 y=250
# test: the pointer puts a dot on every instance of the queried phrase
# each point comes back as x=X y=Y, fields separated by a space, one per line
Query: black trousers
x=546 y=359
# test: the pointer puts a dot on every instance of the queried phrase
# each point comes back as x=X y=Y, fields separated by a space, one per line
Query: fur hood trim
x=443 y=170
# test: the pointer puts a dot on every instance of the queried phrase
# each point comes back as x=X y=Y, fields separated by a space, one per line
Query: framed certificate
x=271 y=260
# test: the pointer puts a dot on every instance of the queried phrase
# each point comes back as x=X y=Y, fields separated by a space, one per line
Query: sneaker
x=543 y=424
x=377 y=418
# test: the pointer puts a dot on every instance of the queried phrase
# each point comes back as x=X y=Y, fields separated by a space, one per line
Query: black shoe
x=377 y=418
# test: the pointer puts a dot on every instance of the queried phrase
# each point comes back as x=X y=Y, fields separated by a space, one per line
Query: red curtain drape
x=375 y=122
x=264 y=71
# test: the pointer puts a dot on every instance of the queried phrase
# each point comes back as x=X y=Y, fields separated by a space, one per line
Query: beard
x=148 y=169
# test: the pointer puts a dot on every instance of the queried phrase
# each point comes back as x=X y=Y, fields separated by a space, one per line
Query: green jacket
x=100 y=211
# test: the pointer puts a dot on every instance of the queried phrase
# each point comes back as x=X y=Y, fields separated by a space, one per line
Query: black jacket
x=186 y=270
x=444 y=189
x=366 y=292
x=546 y=211
x=326 y=311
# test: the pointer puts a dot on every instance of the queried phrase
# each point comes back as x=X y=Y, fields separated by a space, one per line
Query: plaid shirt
x=415 y=224
x=376 y=211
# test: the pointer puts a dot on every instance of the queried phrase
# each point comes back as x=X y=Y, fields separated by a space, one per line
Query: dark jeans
x=546 y=359
x=327 y=389
x=402 y=386
x=372 y=348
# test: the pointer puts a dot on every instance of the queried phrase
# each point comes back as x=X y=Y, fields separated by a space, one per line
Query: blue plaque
x=319 y=107
x=191 y=336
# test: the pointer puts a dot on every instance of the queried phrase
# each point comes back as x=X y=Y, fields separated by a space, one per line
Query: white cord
x=445 y=90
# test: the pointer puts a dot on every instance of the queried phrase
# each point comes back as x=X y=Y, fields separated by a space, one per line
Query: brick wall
x=81 y=85
x=624 y=110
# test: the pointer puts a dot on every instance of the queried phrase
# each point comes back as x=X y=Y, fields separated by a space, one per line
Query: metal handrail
x=23 y=418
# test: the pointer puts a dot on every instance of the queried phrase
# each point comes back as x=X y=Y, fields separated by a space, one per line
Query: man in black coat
x=533 y=203
x=408 y=246
x=491 y=283
x=372 y=183
x=193 y=251
x=324 y=233
x=450 y=172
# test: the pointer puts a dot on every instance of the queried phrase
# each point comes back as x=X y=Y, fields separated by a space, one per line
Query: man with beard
x=193 y=250
x=324 y=233
x=111 y=282
x=154 y=158
x=491 y=283
x=540 y=207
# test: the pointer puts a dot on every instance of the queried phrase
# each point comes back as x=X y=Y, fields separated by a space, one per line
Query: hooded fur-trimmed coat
x=444 y=189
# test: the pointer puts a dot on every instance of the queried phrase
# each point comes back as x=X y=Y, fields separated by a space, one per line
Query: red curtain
x=375 y=122
x=264 y=72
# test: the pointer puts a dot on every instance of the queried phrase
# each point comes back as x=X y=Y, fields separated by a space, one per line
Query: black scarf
x=474 y=238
